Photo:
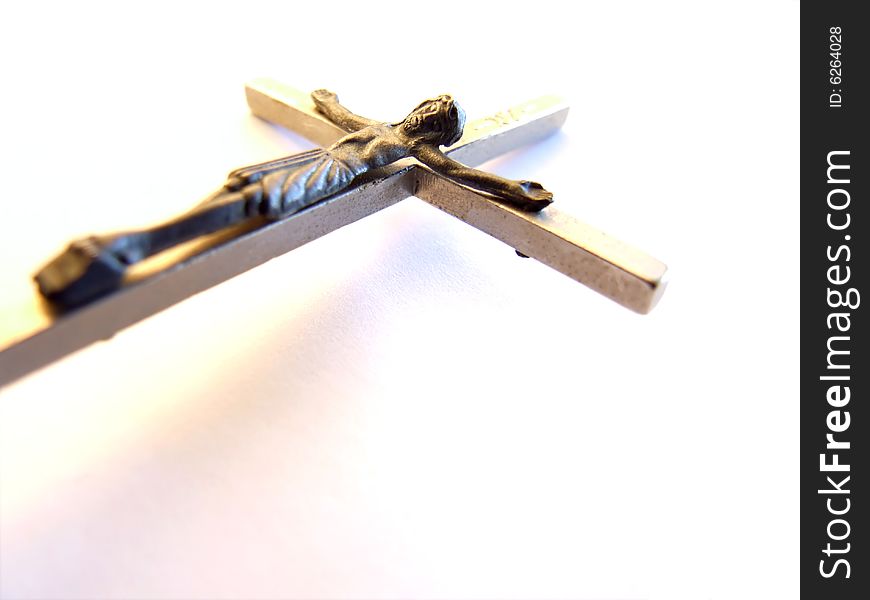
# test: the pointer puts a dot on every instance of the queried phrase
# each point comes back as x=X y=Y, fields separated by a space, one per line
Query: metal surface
x=622 y=273
x=37 y=336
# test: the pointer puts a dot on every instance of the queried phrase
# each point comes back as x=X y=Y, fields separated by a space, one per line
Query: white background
x=404 y=408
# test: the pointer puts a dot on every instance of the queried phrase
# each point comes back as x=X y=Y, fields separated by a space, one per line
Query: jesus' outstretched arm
x=327 y=103
x=526 y=195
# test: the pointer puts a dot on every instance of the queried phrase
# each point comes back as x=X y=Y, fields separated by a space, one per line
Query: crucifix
x=268 y=209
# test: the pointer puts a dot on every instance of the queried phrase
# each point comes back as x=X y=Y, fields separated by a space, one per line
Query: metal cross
x=616 y=270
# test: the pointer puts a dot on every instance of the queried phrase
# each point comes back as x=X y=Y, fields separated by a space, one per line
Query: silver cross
x=616 y=270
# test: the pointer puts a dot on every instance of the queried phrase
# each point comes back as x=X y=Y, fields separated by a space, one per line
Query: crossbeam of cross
x=627 y=275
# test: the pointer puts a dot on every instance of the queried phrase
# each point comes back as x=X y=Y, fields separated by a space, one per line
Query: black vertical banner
x=835 y=364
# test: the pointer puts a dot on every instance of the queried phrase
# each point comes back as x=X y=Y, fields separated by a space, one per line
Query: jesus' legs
x=94 y=266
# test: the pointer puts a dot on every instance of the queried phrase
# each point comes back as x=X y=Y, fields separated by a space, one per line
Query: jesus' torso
x=371 y=147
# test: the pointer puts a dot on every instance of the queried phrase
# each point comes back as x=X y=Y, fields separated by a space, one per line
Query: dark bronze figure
x=94 y=266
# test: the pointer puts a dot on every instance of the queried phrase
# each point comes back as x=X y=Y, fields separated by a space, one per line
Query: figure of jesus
x=95 y=265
